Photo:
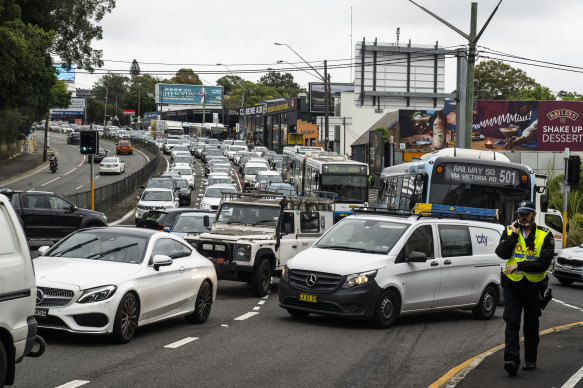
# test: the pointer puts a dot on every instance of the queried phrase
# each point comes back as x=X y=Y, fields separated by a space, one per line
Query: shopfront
x=280 y=118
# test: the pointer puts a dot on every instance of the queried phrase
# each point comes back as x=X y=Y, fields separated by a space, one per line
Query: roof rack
x=290 y=202
x=439 y=211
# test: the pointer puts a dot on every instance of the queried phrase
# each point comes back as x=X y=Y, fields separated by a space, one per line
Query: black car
x=159 y=219
x=99 y=156
x=73 y=138
x=184 y=192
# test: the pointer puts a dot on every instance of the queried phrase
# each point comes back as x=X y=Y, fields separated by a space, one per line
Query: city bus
x=334 y=175
x=472 y=178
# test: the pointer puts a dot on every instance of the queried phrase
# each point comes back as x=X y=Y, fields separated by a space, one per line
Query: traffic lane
x=570 y=295
x=266 y=346
x=71 y=357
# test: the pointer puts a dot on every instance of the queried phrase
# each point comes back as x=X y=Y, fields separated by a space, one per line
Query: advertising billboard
x=425 y=130
x=188 y=94
x=318 y=97
x=65 y=73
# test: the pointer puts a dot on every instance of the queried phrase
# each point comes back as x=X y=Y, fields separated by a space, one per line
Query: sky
x=167 y=36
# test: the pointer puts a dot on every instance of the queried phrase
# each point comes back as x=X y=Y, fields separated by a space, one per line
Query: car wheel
x=564 y=281
x=261 y=280
x=3 y=364
x=298 y=313
x=487 y=305
x=386 y=310
x=126 y=319
x=131 y=152
x=203 y=304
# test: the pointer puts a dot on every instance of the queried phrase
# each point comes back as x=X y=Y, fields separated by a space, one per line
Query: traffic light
x=573 y=170
x=88 y=142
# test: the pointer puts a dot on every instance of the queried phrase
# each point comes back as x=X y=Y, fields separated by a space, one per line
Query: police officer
x=528 y=250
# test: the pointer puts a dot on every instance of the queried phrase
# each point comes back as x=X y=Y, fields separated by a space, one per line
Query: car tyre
x=3 y=365
x=564 y=281
x=486 y=307
x=126 y=319
x=298 y=313
x=386 y=310
x=261 y=281
x=202 y=305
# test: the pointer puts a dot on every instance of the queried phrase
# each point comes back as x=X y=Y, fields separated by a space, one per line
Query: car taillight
x=161 y=226
x=101 y=164
x=115 y=165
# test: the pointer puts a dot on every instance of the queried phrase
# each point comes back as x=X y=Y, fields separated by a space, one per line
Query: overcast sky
x=241 y=34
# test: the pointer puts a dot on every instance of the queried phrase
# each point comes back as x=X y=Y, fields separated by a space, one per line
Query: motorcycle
x=53 y=166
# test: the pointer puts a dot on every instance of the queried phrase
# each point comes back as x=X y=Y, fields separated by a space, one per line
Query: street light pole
x=105 y=111
x=139 y=98
x=242 y=84
x=326 y=79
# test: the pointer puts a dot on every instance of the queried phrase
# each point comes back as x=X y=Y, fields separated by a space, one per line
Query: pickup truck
x=46 y=216
x=253 y=235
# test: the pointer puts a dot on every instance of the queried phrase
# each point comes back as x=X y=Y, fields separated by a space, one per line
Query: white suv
x=379 y=266
x=18 y=296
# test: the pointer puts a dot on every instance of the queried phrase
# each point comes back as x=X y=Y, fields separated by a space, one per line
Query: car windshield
x=273 y=178
x=109 y=160
x=236 y=148
x=215 y=152
x=218 y=181
x=182 y=171
x=180 y=148
x=234 y=213
x=182 y=183
x=157 y=196
x=363 y=235
x=173 y=141
x=183 y=159
x=159 y=184
x=102 y=244
x=254 y=170
x=192 y=224
x=213 y=192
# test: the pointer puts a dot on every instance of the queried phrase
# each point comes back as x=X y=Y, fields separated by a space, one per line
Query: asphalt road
x=251 y=341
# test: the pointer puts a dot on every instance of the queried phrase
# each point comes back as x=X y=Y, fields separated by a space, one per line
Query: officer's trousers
x=518 y=297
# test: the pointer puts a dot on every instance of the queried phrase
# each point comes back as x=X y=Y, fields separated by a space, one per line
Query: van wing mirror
x=544 y=203
x=416 y=257
x=206 y=221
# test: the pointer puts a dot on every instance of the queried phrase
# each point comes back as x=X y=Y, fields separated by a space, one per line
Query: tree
x=74 y=25
x=186 y=76
x=538 y=93
x=571 y=96
x=95 y=110
x=278 y=80
x=135 y=68
x=495 y=80
x=60 y=97
x=230 y=84
x=143 y=87
x=115 y=86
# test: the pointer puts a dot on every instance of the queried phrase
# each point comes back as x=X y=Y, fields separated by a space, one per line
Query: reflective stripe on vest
x=522 y=253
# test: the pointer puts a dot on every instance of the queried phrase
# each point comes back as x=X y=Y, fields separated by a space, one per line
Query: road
x=251 y=341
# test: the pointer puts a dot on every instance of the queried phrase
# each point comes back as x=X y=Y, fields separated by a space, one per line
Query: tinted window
x=59 y=203
x=455 y=241
x=421 y=241
x=34 y=201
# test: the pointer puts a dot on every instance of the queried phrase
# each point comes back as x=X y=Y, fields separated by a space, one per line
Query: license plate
x=567 y=267
x=207 y=247
x=220 y=248
x=308 y=298
x=41 y=312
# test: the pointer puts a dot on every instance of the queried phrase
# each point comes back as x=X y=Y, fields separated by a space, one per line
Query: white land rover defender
x=253 y=236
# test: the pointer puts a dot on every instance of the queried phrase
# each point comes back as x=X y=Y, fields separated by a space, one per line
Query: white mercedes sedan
x=112 y=164
x=113 y=280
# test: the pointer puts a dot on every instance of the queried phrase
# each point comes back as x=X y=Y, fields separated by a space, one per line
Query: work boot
x=529 y=365
x=511 y=367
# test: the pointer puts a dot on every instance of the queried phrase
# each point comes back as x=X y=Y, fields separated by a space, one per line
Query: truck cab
x=254 y=235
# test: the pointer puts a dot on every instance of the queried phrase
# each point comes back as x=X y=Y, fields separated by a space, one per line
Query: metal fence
x=112 y=194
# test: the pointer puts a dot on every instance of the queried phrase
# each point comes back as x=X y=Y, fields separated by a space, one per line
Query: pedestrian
x=371 y=179
x=528 y=250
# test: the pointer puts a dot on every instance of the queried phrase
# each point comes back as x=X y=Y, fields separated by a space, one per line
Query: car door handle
x=434 y=263
x=447 y=262
x=294 y=246
x=181 y=269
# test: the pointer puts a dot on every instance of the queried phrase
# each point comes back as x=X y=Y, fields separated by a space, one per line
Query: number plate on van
x=41 y=312
x=308 y=298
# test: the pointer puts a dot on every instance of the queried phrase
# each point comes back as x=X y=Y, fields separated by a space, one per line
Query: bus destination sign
x=343 y=169
x=486 y=175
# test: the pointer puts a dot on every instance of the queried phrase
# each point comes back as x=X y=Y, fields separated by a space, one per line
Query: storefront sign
x=288 y=105
x=129 y=112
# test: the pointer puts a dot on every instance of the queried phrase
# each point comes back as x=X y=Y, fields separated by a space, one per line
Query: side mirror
x=417 y=257
x=166 y=229
x=41 y=250
x=544 y=203
x=206 y=221
x=137 y=198
x=142 y=186
x=161 y=261
x=73 y=208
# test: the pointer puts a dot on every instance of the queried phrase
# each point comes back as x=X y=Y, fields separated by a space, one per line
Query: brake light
x=161 y=226
x=101 y=164
x=115 y=165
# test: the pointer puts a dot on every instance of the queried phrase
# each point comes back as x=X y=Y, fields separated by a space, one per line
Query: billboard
x=318 y=97
x=426 y=130
x=188 y=94
x=65 y=73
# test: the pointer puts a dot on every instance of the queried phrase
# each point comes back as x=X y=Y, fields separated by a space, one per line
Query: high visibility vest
x=522 y=253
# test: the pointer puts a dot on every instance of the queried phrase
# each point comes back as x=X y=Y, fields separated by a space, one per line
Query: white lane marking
x=261 y=302
x=77 y=188
x=568 y=305
x=266 y=296
x=574 y=379
x=184 y=341
x=70 y=171
x=256 y=308
x=245 y=316
x=82 y=161
x=46 y=183
x=224 y=325
x=74 y=383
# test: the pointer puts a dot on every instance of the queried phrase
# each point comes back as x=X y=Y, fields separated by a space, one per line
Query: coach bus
x=331 y=174
x=472 y=178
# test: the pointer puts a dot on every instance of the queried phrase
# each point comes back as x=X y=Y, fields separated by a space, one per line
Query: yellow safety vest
x=522 y=253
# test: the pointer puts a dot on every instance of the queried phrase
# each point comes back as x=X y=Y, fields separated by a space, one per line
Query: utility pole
x=139 y=98
x=472 y=42
x=326 y=104
x=105 y=112
x=203 y=105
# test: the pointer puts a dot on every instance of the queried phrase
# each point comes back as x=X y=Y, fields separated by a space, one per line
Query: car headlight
x=204 y=205
x=97 y=294
x=285 y=273
x=242 y=252
x=358 y=279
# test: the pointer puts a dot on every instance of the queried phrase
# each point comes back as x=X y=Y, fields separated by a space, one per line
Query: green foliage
x=186 y=76
x=278 y=80
x=495 y=80
x=95 y=110
x=12 y=122
x=141 y=87
x=571 y=96
x=114 y=86
x=60 y=97
x=538 y=93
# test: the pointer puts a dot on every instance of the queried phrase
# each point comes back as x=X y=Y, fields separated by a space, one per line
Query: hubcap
x=387 y=308
x=129 y=317
x=204 y=300
x=488 y=302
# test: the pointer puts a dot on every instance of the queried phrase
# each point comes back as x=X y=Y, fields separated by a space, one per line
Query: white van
x=379 y=265
x=250 y=170
x=17 y=296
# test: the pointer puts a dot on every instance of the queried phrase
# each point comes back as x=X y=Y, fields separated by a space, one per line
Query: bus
x=472 y=178
x=329 y=174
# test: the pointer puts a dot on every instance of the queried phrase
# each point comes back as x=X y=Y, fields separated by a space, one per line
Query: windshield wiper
x=260 y=222
x=74 y=247
x=101 y=254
